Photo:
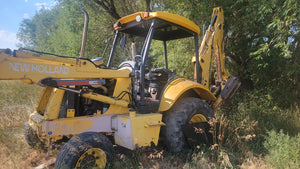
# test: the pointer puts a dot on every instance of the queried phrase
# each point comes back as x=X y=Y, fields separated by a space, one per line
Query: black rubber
x=32 y=138
x=77 y=145
x=180 y=114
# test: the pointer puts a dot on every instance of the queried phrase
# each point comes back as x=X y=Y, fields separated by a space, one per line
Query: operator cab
x=162 y=26
x=168 y=26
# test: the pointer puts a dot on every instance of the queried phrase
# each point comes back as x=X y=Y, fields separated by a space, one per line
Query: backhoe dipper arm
x=32 y=67
x=212 y=47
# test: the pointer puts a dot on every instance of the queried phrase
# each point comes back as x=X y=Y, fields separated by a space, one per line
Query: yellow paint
x=142 y=135
x=31 y=67
x=122 y=85
x=70 y=113
x=98 y=112
x=105 y=99
x=43 y=100
x=132 y=114
x=213 y=38
x=95 y=156
x=154 y=124
x=139 y=130
x=197 y=119
x=53 y=107
x=173 y=18
x=176 y=88
x=114 y=109
x=217 y=103
x=28 y=81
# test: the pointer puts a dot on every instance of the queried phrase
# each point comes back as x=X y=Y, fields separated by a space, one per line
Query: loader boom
x=32 y=67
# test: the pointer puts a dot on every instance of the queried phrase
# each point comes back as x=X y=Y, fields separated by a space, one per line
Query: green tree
x=59 y=30
x=262 y=42
x=36 y=32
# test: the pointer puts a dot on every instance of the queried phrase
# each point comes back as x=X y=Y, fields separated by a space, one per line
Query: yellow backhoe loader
x=84 y=100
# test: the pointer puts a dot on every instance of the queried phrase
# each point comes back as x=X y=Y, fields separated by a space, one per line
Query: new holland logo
x=23 y=67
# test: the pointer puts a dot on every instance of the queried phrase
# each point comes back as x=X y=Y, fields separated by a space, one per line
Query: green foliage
x=36 y=32
x=244 y=122
x=253 y=114
x=277 y=59
x=59 y=30
x=180 y=53
x=284 y=151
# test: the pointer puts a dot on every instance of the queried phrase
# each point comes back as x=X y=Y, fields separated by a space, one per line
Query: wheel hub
x=92 y=158
x=198 y=118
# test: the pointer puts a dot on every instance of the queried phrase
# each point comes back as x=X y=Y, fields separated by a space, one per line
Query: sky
x=12 y=12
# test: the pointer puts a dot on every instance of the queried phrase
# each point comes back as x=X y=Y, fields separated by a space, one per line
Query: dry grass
x=17 y=101
x=255 y=163
x=15 y=153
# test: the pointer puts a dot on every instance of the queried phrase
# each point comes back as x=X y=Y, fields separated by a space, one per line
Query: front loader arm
x=32 y=67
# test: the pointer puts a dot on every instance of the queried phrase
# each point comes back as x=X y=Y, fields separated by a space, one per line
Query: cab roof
x=168 y=26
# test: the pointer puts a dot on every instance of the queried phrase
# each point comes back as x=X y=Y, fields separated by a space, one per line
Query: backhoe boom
x=212 y=52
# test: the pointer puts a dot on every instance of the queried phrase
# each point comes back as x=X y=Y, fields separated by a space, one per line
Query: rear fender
x=178 y=87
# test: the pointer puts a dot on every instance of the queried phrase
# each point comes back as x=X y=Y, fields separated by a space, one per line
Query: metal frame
x=112 y=49
x=144 y=54
x=198 y=80
x=166 y=54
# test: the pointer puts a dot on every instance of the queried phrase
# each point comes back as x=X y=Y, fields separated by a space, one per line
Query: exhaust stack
x=86 y=22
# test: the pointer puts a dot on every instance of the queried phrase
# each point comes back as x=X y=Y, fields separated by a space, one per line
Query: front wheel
x=186 y=111
x=86 y=150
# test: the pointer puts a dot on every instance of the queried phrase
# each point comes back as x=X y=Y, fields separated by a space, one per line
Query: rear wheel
x=186 y=111
x=86 y=150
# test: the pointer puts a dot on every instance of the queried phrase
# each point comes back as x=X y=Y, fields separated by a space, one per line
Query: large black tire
x=32 y=138
x=181 y=114
x=85 y=149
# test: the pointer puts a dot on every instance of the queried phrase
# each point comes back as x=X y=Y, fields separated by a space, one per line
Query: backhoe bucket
x=230 y=88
